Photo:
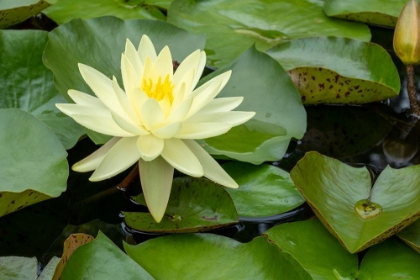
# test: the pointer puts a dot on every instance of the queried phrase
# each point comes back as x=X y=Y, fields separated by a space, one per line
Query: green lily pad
x=16 y=11
x=319 y=253
x=356 y=213
x=411 y=235
x=391 y=259
x=66 y=10
x=268 y=91
x=338 y=70
x=343 y=131
x=23 y=76
x=264 y=190
x=195 y=205
x=102 y=259
x=99 y=43
x=33 y=165
x=163 y=4
x=208 y=256
x=232 y=27
x=380 y=12
x=18 y=268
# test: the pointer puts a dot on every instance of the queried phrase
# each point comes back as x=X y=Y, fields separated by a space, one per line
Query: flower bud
x=406 y=34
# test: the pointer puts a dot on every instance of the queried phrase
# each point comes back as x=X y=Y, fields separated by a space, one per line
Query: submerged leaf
x=195 y=205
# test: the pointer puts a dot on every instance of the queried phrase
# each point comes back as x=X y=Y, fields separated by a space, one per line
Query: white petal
x=149 y=147
x=101 y=86
x=130 y=79
x=182 y=90
x=149 y=72
x=133 y=56
x=120 y=157
x=168 y=131
x=156 y=181
x=82 y=98
x=199 y=69
x=233 y=118
x=146 y=49
x=191 y=62
x=124 y=102
x=96 y=119
x=223 y=104
x=151 y=114
x=202 y=130
x=207 y=92
x=129 y=126
x=92 y=161
x=212 y=170
x=177 y=154
x=181 y=111
x=164 y=64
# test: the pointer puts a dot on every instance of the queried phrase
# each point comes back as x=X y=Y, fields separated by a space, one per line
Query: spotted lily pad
x=99 y=43
x=338 y=70
x=66 y=10
x=232 y=27
x=208 y=256
x=28 y=84
x=195 y=204
x=268 y=91
x=380 y=12
x=33 y=165
x=356 y=213
x=73 y=242
x=264 y=190
x=16 y=11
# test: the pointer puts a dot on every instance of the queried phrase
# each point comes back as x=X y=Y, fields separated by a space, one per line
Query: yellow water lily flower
x=155 y=120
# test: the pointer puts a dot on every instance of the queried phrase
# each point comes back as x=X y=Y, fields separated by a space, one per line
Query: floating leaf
x=264 y=190
x=373 y=12
x=66 y=10
x=33 y=161
x=338 y=70
x=343 y=199
x=28 y=84
x=99 y=43
x=14 y=12
x=164 y=4
x=319 y=253
x=195 y=204
x=391 y=259
x=268 y=91
x=411 y=235
x=73 y=242
x=208 y=256
x=232 y=27
x=18 y=268
x=343 y=131
x=102 y=260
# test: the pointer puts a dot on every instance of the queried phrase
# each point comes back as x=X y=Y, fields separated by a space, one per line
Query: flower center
x=159 y=90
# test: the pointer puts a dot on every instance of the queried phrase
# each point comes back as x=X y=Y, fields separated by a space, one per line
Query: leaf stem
x=411 y=89
x=130 y=177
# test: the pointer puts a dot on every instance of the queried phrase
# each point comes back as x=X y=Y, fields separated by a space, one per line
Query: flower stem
x=130 y=177
x=411 y=89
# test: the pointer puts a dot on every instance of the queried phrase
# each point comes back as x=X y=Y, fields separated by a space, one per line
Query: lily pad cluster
x=282 y=54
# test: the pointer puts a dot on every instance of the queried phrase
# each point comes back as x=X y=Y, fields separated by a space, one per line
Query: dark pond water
x=374 y=135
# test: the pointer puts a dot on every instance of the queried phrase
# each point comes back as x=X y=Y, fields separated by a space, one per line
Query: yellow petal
x=146 y=49
x=232 y=118
x=168 y=131
x=120 y=157
x=149 y=146
x=202 y=130
x=156 y=181
x=151 y=114
x=81 y=98
x=224 y=104
x=177 y=154
x=133 y=57
x=92 y=161
x=212 y=170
